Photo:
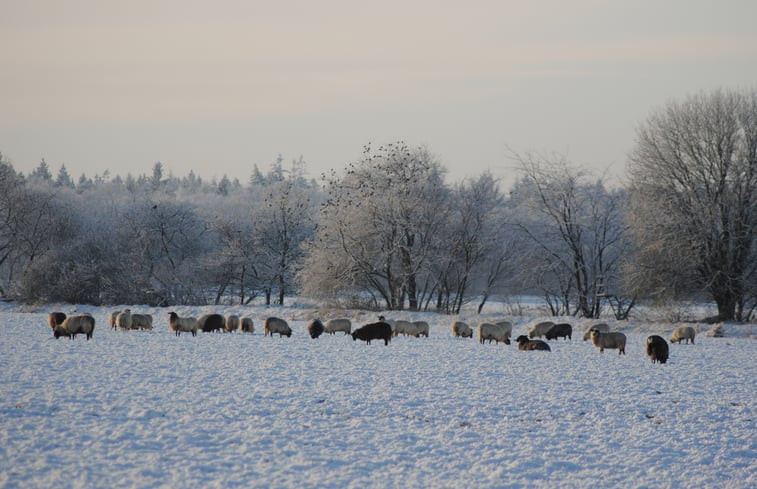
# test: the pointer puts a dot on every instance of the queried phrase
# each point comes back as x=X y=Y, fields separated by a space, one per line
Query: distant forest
x=389 y=231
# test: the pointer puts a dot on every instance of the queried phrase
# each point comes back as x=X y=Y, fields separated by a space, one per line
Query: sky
x=218 y=87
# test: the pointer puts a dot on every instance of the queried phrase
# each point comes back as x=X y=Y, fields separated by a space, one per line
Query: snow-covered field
x=148 y=409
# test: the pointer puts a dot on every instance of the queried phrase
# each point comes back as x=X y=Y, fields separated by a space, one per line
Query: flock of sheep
x=601 y=336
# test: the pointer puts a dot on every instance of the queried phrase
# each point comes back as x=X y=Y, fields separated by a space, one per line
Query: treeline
x=390 y=231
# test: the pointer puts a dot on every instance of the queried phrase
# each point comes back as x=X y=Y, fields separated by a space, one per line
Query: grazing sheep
x=657 y=349
x=400 y=326
x=182 y=325
x=373 y=331
x=246 y=325
x=55 y=319
x=339 y=324
x=211 y=322
x=231 y=323
x=531 y=345
x=683 y=333
x=561 y=330
x=494 y=332
x=421 y=327
x=540 y=329
x=609 y=340
x=112 y=319
x=601 y=327
x=315 y=328
x=123 y=319
x=141 y=321
x=73 y=325
x=276 y=325
x=460 y=329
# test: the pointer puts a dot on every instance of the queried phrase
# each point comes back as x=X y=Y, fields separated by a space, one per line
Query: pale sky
x=216 y=87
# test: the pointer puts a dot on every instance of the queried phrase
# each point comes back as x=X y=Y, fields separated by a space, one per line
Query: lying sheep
x=462 y=330
x=374 y=331
x=683 y=333
x=540 y=329
x=55 y=319
x=494 y=332
x=141 y=321
x=231 y=323
x=609 y=340
x=74 y=325
x=211 y=322
x=123 y=319
x=561 y=330
x=246 y=325
x=657 y=349
x=315 y=328
x=421 y=328
x=276 y=325
x=182 y=325
x=601 y=327
x=339 y=324
x=531 y=345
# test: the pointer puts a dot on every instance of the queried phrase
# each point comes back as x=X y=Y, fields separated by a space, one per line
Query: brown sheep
x=525 y=344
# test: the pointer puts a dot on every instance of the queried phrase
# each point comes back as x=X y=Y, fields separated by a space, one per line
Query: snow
x=149 y=409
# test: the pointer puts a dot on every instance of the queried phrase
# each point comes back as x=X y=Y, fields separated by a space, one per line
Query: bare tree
x=694 y=191
x=577 y=229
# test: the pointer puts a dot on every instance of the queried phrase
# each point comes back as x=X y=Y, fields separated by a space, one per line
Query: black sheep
x=657 y=349
x=561 y=330
x=525 y=344
x=315 y=328
x=212 y=322
x=373 y=331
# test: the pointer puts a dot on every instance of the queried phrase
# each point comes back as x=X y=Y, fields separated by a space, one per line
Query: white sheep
x=246 y=325
x=400 y=326
x=460 y=329
x=141 y=321
x=338 y=324
x=493 y=332
x=73 y=325
x=276 y=325
x=683 y=333
x=123 y=320
x=609 y=340
x=182 y=325
x=231 y=323
x=421 y=327
x=601 y=327
x=112 y=319
x=508 y=327
x=540 y=329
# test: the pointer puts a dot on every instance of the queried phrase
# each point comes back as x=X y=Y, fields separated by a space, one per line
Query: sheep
x=525 y=344
x=374 y=331
x=609 y=340
x=421 y=328
x=494 y=332
x=276 y=325
x=338 y=324
x=561 y=330
x=601 y=327
x=246 y=325
x=231 y=323
x=123 y=319
x=657 y=349
x=55 y=319
x=179 y=324
x=112 y=319
x=400 y=326
x=460 y=329
x=210 y=322
x=141 y=321
x=683 y=333
x=73 y=325
x=315 y=328
x=539 y=329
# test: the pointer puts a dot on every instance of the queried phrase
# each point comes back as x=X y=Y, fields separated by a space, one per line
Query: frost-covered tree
x=693 y=186
x=576 y=227
x=379 y=227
